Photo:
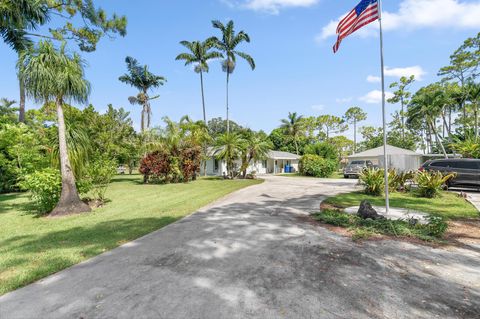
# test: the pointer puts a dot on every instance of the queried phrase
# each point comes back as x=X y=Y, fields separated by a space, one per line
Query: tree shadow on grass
x=86 y=241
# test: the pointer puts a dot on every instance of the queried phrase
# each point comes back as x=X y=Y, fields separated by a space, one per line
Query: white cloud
x=318 y=107
x=416 y=70
x=344 y=100
x=375 y=97
x=416 y=14
x=270 y=6
x=373 y=79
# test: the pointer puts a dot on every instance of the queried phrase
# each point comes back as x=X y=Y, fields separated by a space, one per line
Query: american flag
x=364 y=13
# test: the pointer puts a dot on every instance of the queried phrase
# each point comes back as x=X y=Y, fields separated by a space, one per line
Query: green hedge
x=317 y=166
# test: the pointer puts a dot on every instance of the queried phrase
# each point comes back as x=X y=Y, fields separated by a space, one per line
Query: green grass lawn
x=448 y=205
x=336 y=175
x=33 y=247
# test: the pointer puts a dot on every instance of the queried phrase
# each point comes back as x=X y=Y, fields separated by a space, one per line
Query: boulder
x=367 y=211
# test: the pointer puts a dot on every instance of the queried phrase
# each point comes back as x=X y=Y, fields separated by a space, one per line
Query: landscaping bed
x=33 y=247
x=453 y=219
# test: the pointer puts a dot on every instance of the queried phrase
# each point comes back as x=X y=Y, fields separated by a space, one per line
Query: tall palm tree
x=428 y=104
x=229 y=147
x=199 y=55
x=293 y=126
x=142 y=79
x=51 y=74
x=228 y=45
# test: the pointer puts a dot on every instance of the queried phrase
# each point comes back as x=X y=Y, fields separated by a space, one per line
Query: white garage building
x=397 y=158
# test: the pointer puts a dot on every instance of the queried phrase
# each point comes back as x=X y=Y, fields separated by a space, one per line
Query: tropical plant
x=430 y=184
x=100 y=173
x=199 y=55
x=428 y=104
x=142 y=79
x=228 y=45
x=373 y=181
x=51 y=74
x=317 y=166
x=45 y=187
x=293 y=127
x=353 y=116
x=468 y=147
x=256 y=149
x=20 y=22
x=397 y=181
x=7 y=111
x=229 y=147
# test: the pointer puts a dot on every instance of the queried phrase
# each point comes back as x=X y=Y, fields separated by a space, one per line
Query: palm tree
x=229 y=147
x=293 y=126
x=16 y=19
x=199 y=55
x=51 y=74
x=473 y=96
x=256 y=149
x=228 y=45
x=353 y=116
x=7 y=111
x=142 y=79
x=428 y=104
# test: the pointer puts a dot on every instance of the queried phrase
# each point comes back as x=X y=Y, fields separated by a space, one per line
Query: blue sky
x=292 y=44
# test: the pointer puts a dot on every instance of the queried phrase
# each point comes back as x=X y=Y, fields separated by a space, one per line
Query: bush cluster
x=429 y=184
x=169 y=167
x=45 y=187
x=317 y=166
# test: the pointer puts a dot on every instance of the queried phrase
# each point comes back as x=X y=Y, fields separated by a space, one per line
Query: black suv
x=468 y=170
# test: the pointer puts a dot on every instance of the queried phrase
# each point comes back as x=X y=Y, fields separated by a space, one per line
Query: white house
x=398 y=158
x=275 y=163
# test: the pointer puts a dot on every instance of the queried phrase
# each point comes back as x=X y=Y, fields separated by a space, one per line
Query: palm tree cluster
x=201 y=52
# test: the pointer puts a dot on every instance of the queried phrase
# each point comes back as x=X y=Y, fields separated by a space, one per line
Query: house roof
x=391 y=150
x=282 y=155
x=277 y=155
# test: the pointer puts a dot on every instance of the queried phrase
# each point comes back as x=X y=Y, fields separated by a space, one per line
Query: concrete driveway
x=254 y=254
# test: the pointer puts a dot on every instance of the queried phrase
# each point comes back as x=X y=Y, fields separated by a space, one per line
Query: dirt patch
x=464 y=232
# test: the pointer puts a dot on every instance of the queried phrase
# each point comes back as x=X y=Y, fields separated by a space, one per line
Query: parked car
x=354 y=168
x=467 y=170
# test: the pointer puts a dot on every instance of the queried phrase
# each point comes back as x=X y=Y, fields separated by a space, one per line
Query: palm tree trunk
x=142 y=124
x=21 y=105
x=437 y=138
x=203 y=98
x=228 y=110
x=354 y=136
x=402 y=118
x=70 y=202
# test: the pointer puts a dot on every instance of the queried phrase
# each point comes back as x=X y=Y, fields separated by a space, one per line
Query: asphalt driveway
x=254 y=254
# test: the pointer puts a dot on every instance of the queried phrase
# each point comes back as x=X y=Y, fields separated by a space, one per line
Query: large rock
x=367 y=211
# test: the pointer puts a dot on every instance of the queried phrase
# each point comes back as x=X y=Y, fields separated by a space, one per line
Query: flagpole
x=385 y=157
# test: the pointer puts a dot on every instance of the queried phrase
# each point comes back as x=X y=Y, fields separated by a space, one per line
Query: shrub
x=100 y=174
x=430 y=184
x=316 y=166
x=373 y=181
x=325 y=150
x=45 y=187
x=191 y=159
x=398 y=181
x=436 y=226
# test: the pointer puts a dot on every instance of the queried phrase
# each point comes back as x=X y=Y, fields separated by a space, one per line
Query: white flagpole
x=385 y=157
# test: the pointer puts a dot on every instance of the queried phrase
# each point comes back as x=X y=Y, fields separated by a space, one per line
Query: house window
x=215 y=165
x=264 y=164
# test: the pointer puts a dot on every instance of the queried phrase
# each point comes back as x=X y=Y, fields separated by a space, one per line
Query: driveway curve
x=254 y=254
